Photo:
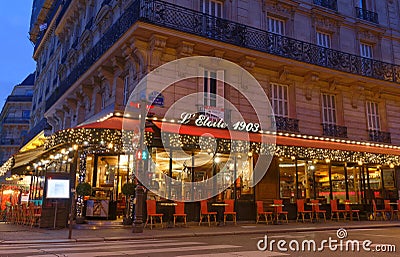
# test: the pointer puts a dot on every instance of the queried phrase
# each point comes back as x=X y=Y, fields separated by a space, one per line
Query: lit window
x=323 y=39
x=276 y=26
x=279 y=97
x=212 y=86
x=211 y=7
x=373 y=116
x=328 y=109
x=366 y=50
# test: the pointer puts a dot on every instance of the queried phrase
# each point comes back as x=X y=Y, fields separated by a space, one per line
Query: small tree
x=83 y=189
x=128 y=189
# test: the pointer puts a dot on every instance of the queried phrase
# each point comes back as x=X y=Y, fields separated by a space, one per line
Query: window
x=279 y=97
x=211 y=7
x=29 y=92
x=275 y=25
x=26 y=113
x=328 y=109
x=366 y=50
x=323 y=39
x=373 y=116
x=212 y=86
x=126 y=89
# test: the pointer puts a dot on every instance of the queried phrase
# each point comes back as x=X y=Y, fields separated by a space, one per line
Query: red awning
x=280 y=140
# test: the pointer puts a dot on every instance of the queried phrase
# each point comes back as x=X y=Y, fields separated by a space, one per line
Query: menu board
x=58 y=188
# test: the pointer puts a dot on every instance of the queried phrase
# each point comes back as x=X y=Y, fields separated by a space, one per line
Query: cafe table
x=219 y=207
x=275 y=205
x=168 y=208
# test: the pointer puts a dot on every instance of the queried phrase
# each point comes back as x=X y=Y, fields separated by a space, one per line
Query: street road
x=225 y=246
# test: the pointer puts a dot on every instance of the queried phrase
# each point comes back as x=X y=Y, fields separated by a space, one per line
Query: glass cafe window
x=312 y=180
x=107 y=174
x=287 y=175
x=375 y=182
x=354 y=183
x=205 y=166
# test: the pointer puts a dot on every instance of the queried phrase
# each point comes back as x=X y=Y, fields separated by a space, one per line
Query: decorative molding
x=118 y=62
x=156 y=49
x=185 y=49
x=248 y=62
x=72 y=103
x=357 y=91
x=281 y=8
x=333 y=83
x=107 y=72
x=310 y=80
x=283 y=73
x=325 y=23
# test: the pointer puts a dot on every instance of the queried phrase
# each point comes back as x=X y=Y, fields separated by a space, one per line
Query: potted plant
x=82 y=189
x=128 y=189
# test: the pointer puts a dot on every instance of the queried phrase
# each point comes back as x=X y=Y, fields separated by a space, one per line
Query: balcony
x=286 y=124
x=332 y=130
x=367 y=15
x=10 y=141
x=48 y=20
x=330 y=4
x=16 y=120
x=19 y=98
x=199 y=24
x=379 y=136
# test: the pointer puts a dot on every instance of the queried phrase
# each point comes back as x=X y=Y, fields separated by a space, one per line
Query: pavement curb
x=143 y=236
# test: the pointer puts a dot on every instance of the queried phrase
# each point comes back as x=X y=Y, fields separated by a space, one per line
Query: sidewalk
x=18 y=234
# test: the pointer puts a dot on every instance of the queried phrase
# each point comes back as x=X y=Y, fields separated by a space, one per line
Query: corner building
x=329 y=68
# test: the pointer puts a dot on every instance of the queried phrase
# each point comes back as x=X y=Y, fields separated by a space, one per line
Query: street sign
x=156 y=98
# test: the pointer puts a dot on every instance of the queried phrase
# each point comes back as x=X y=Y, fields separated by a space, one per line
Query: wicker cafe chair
x=204 y=213
x=301 y=211
x=180 y=212
x=335 y=210
x=229 y=210
x=152 y=213
x=350 y=211
x=378 y=211
x=261 y=212
x=279 y=210
x=317 y=210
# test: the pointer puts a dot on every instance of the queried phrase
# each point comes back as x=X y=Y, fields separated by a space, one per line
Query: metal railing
x=330 y=4
x=379 y=136
x=332 y=130
x=190 y=21
x=367 y=15
x=286 y=124
x=19 y=98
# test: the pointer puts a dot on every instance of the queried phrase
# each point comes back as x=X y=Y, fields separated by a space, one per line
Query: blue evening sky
x=16 y=50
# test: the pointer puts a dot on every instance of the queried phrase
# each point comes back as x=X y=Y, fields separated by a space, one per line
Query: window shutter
x=200 y=88
x=220 y=88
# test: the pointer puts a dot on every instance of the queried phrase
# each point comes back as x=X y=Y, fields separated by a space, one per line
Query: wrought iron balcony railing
x=10 y=141
x=187 y=20
x=286 y=124
x=332 y=130
x=379 y=136
x=331 y=4
x=367 y=15
x=19 y=98
x=48 y=20
x=16 y=120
